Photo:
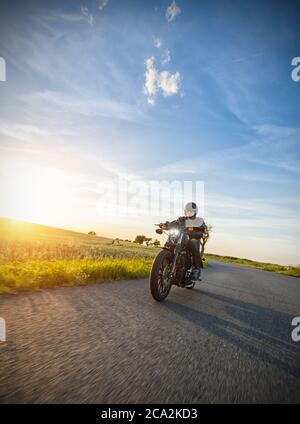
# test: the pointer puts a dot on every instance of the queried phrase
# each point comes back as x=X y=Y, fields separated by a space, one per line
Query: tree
x=147 y=240
x=92 y=233
x=156 y=243
x=139 y=239
x=204 y=239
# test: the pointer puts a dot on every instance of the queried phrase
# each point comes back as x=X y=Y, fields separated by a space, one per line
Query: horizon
x=166 y=90
x=101 y=236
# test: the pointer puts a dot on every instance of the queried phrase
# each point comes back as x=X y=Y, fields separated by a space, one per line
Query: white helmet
x=190 y=210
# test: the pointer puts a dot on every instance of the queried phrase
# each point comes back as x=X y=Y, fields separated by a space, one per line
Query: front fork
x=181 y=243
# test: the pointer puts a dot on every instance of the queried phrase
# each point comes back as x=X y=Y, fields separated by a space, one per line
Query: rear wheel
x=160 y=279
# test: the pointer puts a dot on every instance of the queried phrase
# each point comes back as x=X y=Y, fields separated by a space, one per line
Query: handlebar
x=188 y=230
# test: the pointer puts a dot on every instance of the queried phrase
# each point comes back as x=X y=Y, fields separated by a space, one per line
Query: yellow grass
x=35 y=256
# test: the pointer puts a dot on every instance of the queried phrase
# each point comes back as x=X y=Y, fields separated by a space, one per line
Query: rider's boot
x=195 y=277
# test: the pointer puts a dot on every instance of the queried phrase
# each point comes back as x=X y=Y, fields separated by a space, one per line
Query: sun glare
x=34 y=193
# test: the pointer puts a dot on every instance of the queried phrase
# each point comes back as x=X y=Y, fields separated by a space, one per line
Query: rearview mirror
x=159 y=231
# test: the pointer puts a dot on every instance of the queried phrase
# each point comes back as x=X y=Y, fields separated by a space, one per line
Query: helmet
x=190 y=210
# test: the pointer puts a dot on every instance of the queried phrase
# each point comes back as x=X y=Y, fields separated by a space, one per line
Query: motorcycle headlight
x=174 y=232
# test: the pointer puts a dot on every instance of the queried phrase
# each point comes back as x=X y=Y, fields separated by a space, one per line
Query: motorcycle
x=173 y=264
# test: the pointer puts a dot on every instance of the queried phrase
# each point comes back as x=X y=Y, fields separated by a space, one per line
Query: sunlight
x=35 y=193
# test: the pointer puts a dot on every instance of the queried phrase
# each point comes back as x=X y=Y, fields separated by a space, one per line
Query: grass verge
x=293 y=271
x=40 y=274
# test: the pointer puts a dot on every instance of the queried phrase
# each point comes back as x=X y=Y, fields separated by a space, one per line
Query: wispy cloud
x=24 y=132
x=254 y=208
x=166 y=54
x=72 y=104
x=289 y=166
x=157 y=42
x=165 y=82
x=172 y=11
x=273 y=146
x=166 y=57
x=277 y=131
x=82 y=15
x=103 y=4
x=87 y=15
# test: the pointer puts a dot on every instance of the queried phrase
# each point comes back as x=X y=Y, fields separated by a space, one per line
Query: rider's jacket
x=195 y=226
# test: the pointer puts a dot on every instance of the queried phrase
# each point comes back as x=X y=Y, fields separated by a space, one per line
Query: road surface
x=228 y=340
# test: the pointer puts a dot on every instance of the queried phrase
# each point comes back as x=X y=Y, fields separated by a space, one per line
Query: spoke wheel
x=164 y=277
x=160 y=279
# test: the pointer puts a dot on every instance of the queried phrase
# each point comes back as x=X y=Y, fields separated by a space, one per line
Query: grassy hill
x=23 y=240
x=11 y=230
x=35 y=256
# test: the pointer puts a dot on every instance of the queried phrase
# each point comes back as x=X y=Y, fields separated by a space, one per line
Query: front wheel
x=160 y=279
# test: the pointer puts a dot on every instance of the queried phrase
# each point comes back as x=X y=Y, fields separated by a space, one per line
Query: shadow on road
x=259 y=331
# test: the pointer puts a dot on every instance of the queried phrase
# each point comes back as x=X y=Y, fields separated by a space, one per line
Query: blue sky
x=186 y=90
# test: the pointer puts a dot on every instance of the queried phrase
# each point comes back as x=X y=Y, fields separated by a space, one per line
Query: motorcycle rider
x=195 y=227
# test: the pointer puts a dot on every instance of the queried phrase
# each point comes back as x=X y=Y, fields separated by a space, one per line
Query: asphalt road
x=228 y=340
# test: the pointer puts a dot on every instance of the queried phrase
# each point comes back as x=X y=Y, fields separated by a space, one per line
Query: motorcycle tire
x=162 y=260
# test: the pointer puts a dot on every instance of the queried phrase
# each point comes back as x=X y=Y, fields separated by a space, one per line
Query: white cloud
x=151 y=101
x=166 y=57
x=169 y=84
x=103 y=4
x=157 y=42
x=151 y=75
x=87 y=15
x=172 y=11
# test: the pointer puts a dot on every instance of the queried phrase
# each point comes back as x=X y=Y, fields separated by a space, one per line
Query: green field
x=35 y=256
x=293 y=271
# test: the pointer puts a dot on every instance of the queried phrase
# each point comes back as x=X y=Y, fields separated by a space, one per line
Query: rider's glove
x=164 y=225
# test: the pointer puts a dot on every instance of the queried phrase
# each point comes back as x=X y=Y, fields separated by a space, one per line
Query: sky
x=166 y=90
